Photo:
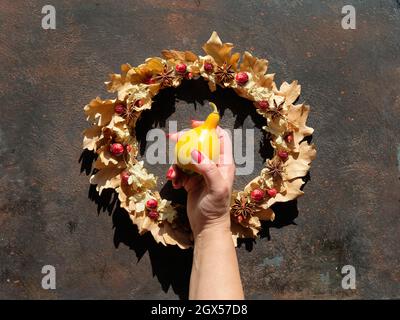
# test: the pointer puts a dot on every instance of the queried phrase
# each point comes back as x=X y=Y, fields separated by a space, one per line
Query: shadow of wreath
x=172 y=265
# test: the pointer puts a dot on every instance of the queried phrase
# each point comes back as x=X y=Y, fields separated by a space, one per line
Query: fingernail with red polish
x=197 y=156
x=170 y=173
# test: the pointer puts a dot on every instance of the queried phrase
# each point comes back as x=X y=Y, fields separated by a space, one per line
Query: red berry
x=119 y=108
x=116 y=149
x=151 y=204
x=263 y=104
x=272 y=192
x=149 y=80
x=189 y=75
x=128 y=148
x=242 y=78
x=257 y=195
x=125 y=176
x=239 y=218
x=180 y=68
x=283 y=154
x=289 y=138
x=139 y=103
x=153 y=215
x=208 y=67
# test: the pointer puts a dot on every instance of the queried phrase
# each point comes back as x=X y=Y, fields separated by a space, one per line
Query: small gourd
x=204 y=138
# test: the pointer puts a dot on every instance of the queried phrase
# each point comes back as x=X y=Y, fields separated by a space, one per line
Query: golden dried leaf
x=290 y=91
x=253 y=184
x=190 y=56
x=166 y=234
x=140 y=178
x=147 y=224
x=292 y=191
x=90 y=137
x=266 y=81
x=258 y=67
x=107 y=178
x=143 y=222
x=138 y=75
x=117 y=130
x=117 y=80
x=275 y=127
x=254 y=222
x=216 y=49
x=125 y=68
x=297 y=115
x=195 y=70
x=173 y=55
x=106 y=159
x=155 y=65
x=167 y=212
x=100 y=111
x=266 y=214
x=158 y=235
x=123 y=198
x=297 y=165
x=234 y=59
x=240 y=231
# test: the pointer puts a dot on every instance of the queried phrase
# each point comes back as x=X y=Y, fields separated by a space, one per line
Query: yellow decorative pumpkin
x=204 y=138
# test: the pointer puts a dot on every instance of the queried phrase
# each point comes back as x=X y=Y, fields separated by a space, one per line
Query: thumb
x=207 y=168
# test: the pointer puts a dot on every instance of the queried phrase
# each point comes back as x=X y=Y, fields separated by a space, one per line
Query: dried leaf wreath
x=112 y=137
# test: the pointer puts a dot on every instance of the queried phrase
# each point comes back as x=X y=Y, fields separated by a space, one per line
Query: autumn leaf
x=297 y=116
x=257 y=67
x=298 y=164
x=290 y=91
x=221 y=52
x=179 y=56
x=91 y=137
x=100 y=111
x=107 y=178
x=266 y=214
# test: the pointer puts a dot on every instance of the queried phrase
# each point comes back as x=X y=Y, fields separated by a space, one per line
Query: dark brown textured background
x=349 y=215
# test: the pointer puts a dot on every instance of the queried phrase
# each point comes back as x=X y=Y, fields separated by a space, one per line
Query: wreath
x=112 y=136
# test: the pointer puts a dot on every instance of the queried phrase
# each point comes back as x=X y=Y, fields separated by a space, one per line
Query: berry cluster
x=118 y=149
x=151 y=206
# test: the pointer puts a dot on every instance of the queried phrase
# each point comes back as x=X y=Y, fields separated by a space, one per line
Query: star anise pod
x=242 y=208
x=275 y=169
x=129 y=114
x=225 y=73
x=165 y=78
x=277 y=112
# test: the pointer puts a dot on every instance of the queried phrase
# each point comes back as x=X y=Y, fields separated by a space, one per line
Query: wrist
x=213 y=230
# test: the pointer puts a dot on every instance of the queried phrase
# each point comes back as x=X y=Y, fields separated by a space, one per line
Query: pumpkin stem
x=213 y=107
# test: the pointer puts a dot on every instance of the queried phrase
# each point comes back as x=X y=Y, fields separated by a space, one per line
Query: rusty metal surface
x=349 y=215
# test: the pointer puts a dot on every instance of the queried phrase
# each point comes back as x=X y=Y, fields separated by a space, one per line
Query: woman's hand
x=209 y=194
